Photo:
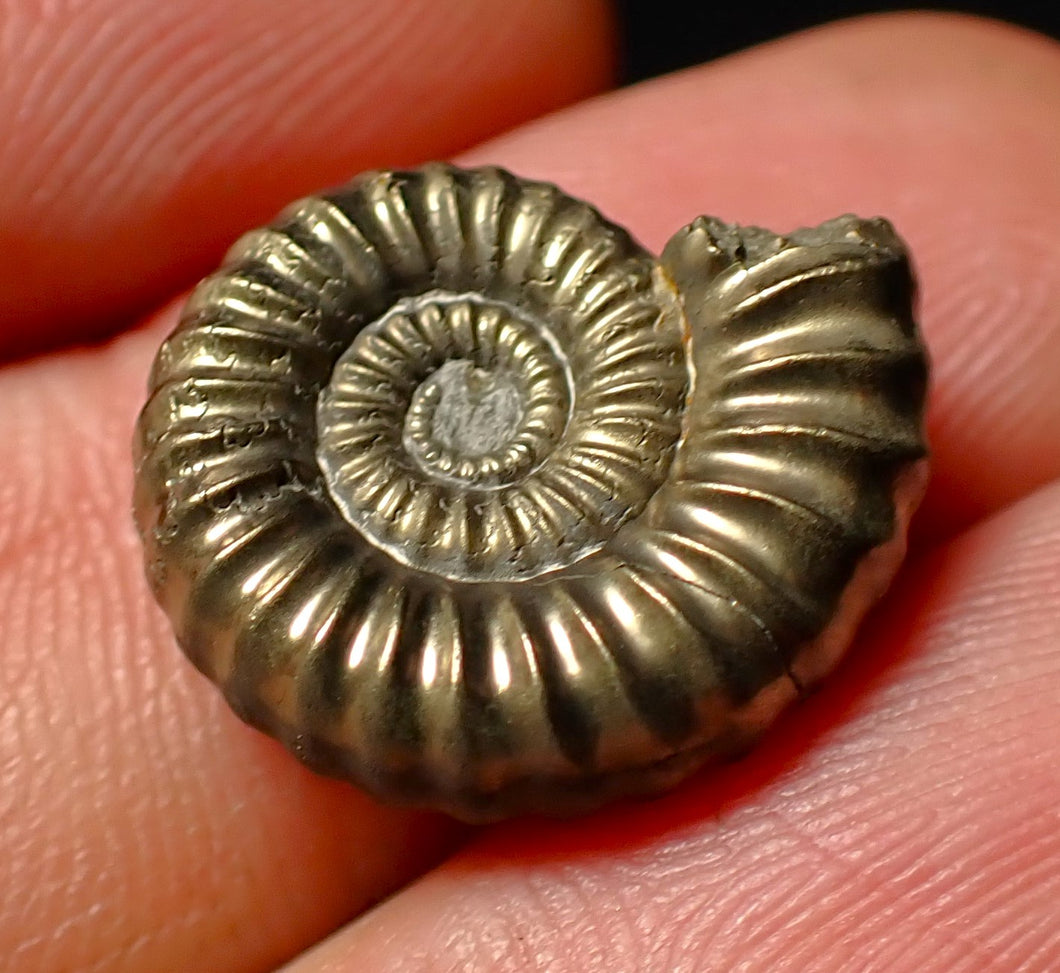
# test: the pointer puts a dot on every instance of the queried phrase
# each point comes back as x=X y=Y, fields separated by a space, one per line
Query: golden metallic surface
x=467 y=498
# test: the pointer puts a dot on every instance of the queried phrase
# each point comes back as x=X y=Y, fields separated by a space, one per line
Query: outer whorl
x=467 y=498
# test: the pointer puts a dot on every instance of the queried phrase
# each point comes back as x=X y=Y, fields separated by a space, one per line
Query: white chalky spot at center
x=478 y=411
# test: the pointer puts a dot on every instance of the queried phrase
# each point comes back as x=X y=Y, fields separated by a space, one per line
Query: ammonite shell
x=466 y=497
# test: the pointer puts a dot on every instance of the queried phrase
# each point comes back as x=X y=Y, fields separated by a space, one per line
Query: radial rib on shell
x=469 y=499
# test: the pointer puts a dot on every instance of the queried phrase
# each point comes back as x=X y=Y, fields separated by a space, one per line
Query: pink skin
x=140 y=138
x=902 y=819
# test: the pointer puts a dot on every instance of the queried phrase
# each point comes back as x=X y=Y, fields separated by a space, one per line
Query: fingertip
x=943 y=124
x=143 y=138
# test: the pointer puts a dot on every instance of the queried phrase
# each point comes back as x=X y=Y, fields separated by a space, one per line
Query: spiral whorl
x=461 y=493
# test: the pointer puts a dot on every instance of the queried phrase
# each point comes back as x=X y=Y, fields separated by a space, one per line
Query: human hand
x=903 y=818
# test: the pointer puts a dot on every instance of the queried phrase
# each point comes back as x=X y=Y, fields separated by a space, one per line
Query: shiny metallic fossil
x=467 y=498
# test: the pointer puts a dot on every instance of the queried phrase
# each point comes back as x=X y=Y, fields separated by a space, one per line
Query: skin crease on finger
x=140 y=820
x=141 y=137
x=905 y=818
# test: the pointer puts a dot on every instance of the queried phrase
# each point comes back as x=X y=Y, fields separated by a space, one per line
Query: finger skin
x=906 y=817
x=141 y=137
x=176 y=867
x=945 y=125
x=142 y=826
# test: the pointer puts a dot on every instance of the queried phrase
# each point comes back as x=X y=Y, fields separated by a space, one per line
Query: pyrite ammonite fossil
x=466 y=497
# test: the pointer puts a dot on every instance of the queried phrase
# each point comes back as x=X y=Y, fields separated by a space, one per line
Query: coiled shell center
x=447 y=430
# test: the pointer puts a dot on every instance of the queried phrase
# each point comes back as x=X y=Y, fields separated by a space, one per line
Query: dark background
x=664 y=35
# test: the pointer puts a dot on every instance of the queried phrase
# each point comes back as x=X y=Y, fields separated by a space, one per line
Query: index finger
x=140 y=138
